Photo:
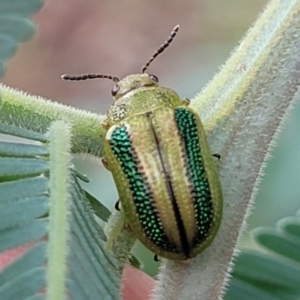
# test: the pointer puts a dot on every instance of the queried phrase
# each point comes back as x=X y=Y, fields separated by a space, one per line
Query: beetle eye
x=153 y=78
x=115 y=89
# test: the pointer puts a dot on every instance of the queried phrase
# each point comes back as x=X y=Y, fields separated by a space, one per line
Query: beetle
x=157 y=151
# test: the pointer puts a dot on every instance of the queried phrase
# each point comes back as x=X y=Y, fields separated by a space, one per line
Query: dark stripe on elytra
x=121 y=145
x=171 y=193
x=200 y=190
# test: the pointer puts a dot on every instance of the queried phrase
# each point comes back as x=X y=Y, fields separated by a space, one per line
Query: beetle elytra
x=157 y=151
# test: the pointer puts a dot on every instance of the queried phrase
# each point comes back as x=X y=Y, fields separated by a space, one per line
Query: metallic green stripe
x=203 y=205
x=120 y=144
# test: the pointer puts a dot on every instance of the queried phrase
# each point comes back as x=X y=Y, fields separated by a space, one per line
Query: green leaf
x=20 y=131
x=65 y=250
x=21 y=167
x=291 y=226
x=240 y=289
x=99 y=209
x=283 y=240
x=26 y=210
x=20 y=8
x=21 y=287
x=26 y=150
x=273 y=274
x=10 y=26
x=22 y=234
x=32 y=259
x=264 y=274
x=23 y=188
x=278 y=242
x=15 y=26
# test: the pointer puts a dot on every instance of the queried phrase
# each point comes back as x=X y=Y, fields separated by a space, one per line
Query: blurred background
x=117 y=38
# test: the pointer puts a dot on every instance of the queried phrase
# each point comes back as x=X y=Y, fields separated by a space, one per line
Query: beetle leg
x=105 y=124
x=186 y=101
x=117 y=205
x=217 y=155
x=105 y=164
x=113 y=228
x=155 y=257
x=127 y=227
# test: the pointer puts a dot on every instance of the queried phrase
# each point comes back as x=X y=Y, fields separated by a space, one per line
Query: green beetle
x=157 y=151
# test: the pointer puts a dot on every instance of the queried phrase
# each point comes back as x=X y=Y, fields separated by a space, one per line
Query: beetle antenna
x=162 y=47
x=89 y=76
